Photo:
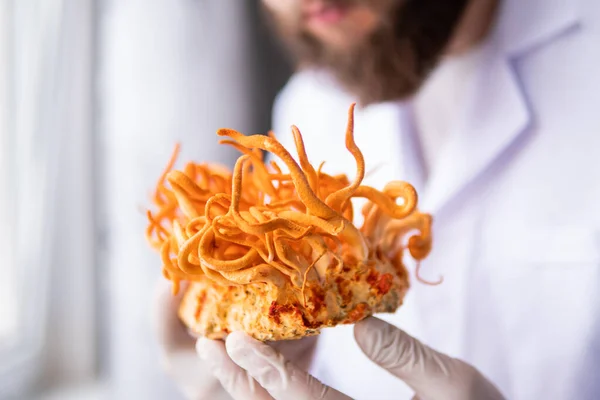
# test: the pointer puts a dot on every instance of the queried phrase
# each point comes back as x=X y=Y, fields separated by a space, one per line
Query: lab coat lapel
x=496 y=115
x=493 y=127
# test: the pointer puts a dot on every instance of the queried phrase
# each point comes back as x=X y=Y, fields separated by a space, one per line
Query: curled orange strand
x=258 y=224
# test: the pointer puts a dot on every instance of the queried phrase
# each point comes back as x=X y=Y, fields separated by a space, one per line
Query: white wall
x=169 y=70
x=71 y=327
x=46 y=146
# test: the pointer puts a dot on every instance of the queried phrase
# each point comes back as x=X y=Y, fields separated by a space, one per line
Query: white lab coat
x=516 y=202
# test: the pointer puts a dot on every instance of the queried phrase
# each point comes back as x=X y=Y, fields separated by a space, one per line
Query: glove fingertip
x=209 y=350
x=382 y=342
x=239 y=340
x=366 y=327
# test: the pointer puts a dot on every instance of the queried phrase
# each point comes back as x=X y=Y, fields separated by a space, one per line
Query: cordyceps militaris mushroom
x=292 y=229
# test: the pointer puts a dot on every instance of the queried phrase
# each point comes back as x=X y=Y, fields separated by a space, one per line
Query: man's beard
x=393 y=61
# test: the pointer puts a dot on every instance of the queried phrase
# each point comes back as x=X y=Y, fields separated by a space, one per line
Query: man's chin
x=392 y=62
x=370 y=85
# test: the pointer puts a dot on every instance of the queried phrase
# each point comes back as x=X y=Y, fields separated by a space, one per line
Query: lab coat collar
x=497 y=114
x=524 y=25
x=493 y=128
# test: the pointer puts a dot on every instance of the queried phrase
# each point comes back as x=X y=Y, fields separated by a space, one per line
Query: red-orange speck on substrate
x=380 y=283
x=318 y=299
x=384 y=284
x=372 y=277
x=199 y=305
x=343 y=286
x=276 y=309
x=357 y=313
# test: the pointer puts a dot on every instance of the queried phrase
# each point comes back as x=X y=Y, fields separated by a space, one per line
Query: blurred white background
x=93 y=96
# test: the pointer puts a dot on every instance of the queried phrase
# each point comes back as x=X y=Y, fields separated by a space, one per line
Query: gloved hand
x=241 y=362
x=192 y=376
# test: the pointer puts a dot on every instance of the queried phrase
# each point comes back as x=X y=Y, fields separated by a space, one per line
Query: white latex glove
x=241 y=361
x=191 y=375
